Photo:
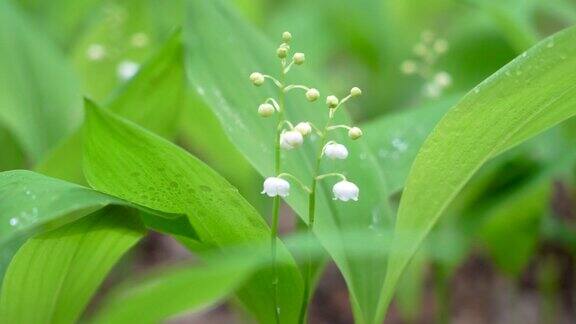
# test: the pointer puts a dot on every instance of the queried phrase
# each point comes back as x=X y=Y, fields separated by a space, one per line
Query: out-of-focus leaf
x=39 y=99
x=191 y=288
x=153 y=98
x=125 y=160
x=63 y=20
x=527 y=96
x=12 y=156
x=53 y=276
x=219 y=68
x=396 y=139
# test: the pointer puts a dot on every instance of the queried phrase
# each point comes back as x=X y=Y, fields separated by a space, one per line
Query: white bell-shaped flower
x=291 y=139
x=345 y=190
x=274 y=186
x=336 y=151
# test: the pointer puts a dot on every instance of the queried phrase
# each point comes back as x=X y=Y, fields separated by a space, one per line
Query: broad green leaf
x=219 y=68
x=396 y=139
x=32 y=202
x=54 y=275
x=39 y=98
x=154 y=99
x=125 y=160
x=532 y=93
x=191 y=288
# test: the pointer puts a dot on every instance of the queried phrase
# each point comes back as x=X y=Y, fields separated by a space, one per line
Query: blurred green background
x=506 y=251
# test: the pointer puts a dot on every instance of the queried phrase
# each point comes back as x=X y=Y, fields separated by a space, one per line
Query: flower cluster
x=427 y=53
x=292 y=136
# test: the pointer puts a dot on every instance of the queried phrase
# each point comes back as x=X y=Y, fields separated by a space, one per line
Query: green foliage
x=219 y=68
x=529 y=95
x=53 y=276
x=124 y=160
x=35 y=109
x=190 y=288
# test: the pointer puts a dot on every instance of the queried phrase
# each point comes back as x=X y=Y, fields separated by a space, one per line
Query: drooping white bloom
x=345 y=190
x=312 y=94
x=265 y=110
x=291 y=139
x=274 y=186
x=127 y=69
x=332 y=101
x=257 y=78
x=355 y=92
x=299 y=58
x=96 y=52
x=303 y=128
x=354 y=133
x=336 y=151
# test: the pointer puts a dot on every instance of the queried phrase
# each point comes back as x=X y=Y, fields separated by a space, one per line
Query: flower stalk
x=289 y=137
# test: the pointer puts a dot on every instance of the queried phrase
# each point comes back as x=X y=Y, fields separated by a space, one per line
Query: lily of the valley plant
x=289 y=137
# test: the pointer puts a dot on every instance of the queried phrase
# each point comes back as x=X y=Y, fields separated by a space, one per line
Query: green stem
x=311 y=218
x=276 y=204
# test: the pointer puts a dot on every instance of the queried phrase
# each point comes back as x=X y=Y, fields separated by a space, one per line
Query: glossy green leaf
x=191 y=288
x=527 y=96
x=40 y=102
x=154 y=99
x=32 y=202
x=53 y=276
x=219 y=67
x=127 y=161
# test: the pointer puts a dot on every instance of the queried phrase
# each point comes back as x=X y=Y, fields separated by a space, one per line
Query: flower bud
x=345 y=190
x=312 y=94
x=291 y=139
x=354 y=133
x=286 y=36
x=299 y=58
x=257 y=78
x=332 y=101
x=282 y=52
x=336 y=151
x=266 y=110
x=274 y=186
x=355 y=92
x=304 y=128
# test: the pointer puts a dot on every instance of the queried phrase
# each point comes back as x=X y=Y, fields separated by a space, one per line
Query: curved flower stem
x=338 y=126
x=333 y=174
x=295 y=86
x=276 y=202
x=288 y=175
x=276 y=82
x=311 y=217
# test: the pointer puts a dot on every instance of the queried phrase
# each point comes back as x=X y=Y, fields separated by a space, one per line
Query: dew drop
x=14 y=221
